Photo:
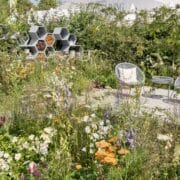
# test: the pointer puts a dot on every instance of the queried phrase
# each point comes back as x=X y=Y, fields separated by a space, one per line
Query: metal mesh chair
x=177 y=102
x=177 y=83
x=129 y=75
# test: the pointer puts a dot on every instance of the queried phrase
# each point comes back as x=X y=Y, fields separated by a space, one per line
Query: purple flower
x=130 y=134
x=130 y=138
x=107 y=115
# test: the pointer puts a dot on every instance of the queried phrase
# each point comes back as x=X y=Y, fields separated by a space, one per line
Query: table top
x=162 y=80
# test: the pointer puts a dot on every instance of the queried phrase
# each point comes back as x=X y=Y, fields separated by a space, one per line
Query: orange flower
x=102 y=144
x=100 y=154
x=78 y=166
x=123 y=151
x=110 y=149
x=112 y=139
x=109 y=160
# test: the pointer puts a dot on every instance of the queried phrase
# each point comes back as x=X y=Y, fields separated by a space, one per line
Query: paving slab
x=149 y=99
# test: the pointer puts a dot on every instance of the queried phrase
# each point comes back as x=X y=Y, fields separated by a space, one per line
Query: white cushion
x=128 y=75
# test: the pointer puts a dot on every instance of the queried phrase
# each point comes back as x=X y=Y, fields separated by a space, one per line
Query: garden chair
x=163 y=80
x=177 y=83
x=177 y=104
x=129 y=75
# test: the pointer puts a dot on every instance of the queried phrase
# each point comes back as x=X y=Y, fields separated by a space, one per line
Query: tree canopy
x=47 y=4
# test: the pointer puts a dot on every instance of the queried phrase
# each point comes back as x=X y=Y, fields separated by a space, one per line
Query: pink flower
x=33 y=169
x=22 y=177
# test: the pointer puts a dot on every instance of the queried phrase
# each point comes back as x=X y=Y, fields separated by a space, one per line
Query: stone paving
x=149 y=100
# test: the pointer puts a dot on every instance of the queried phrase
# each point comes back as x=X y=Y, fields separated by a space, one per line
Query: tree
x=23 y=6
x=47 y=4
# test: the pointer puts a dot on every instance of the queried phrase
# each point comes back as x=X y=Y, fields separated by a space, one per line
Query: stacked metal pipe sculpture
x=41 y=43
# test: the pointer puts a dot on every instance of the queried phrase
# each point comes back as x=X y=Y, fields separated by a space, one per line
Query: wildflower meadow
x=51 y=129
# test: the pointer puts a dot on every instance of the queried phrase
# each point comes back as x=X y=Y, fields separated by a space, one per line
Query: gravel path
x=153 y=100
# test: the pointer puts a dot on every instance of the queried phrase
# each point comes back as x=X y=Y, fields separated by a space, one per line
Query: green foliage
x=23 y=6
x=46 y=4
x=132 y=167
x=157 y=33
x=4 y=11
x=37 y=95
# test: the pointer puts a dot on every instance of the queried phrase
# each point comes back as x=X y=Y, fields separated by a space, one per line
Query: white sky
x=165 y=1
x=170 y=2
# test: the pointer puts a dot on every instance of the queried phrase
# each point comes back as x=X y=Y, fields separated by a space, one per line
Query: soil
x=49 y=39
x=41 y=45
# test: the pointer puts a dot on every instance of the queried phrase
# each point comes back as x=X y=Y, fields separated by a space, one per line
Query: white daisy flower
x=86 y=118
x=17 y=156
x=164 y=137
x=83 y=149
x=101 y=123
x=25 y=145
x=95 y=135
x=93 y=115
x=31 y=137
x=6 y=155
x=87 y=129
x=48 y=130
x=1 y=154
x=14 y=139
